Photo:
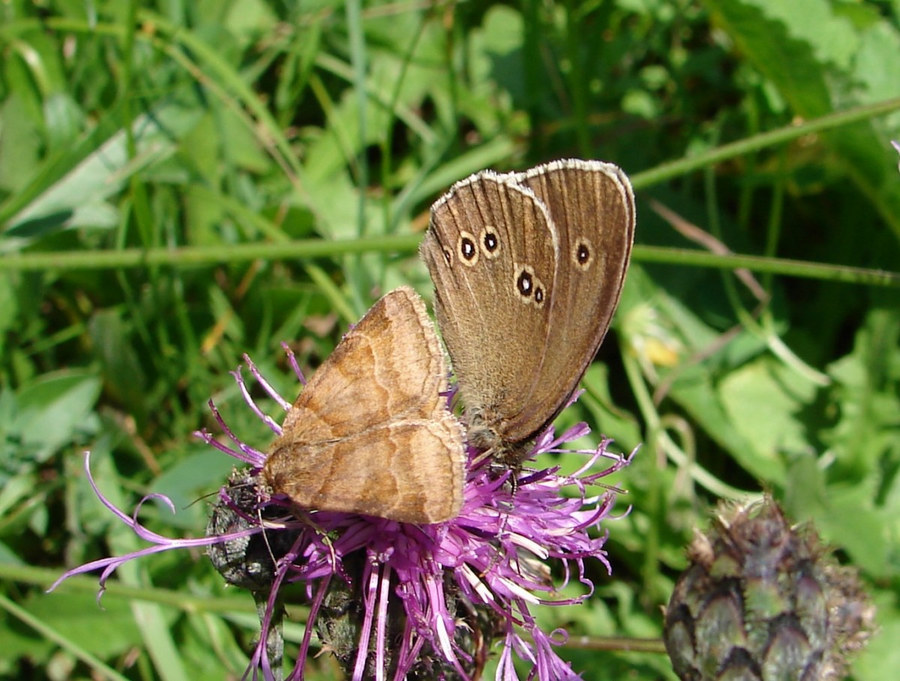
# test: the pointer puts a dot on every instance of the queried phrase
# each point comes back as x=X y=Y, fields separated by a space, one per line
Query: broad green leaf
x=53 y=408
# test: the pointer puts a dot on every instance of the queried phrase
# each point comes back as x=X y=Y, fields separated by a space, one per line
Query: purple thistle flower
x=427 y=598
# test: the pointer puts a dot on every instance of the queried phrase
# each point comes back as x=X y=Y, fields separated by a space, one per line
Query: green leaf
x=53 y=408
x=79 y=198
x=106 y=630
x=766 y=401
x=819 y=47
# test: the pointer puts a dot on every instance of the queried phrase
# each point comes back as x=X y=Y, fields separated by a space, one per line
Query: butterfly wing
x=491 y=250
x=591 y=204
x=405 y=470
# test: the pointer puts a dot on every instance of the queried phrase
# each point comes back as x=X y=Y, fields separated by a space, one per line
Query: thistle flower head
x=764 y=600
x=395 y=600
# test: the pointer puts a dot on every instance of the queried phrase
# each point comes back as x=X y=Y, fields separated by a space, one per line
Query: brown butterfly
x=527 y=270
x=371 y=432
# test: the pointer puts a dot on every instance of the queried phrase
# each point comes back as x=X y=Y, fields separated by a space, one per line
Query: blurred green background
x=184 y=182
